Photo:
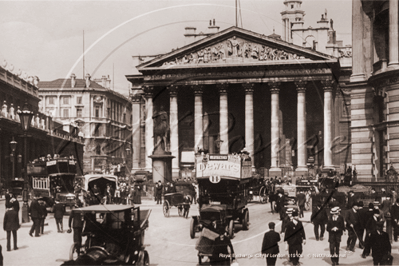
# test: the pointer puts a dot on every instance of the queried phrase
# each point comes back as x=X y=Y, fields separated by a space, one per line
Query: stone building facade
x=103 y=116
x=45 y=136
x=374 y=87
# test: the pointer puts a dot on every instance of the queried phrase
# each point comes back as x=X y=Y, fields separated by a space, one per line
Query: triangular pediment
x=234 y=46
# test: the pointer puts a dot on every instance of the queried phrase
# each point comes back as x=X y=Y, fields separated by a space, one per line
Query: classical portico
x=242 y=81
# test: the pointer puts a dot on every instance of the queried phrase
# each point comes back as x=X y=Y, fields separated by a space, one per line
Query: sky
x=45 y=39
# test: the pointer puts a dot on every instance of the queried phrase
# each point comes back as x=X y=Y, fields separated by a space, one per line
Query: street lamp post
x=13 y=145
x=26 y=117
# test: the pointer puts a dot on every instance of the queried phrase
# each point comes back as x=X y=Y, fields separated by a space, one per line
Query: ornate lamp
x=26 y=117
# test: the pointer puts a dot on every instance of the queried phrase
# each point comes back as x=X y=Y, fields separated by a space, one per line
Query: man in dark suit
x=35 y=212
x=319 y=219
x=351 y=200
x=379 y=243
x=352 y=224
x=371 y=226
x=59 y=211
x=158 y=192
x=14 y=204
x=295 y=236
x=76 y=222
x=11 y=224
x=301 y=198
x=335 y=228
x=280 y=204
x=43 y=216
x=287 y=218
x=362 y=213
x=395 y=219
x=270 y=245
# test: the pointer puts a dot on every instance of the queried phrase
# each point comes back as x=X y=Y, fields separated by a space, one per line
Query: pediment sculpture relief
x=232 y=50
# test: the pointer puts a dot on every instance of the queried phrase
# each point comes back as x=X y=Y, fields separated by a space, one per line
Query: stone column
x=174 y=130
x=393 y=34
x=301 y=127
x=275 y=135
x=149 y=128
x=357 y=43
x=249 y=121
x=136 y=136
x=224 y=118
x=198 y=117
x=328 y=87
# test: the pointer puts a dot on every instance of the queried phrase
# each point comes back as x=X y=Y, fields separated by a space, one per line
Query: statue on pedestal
x=161 y=131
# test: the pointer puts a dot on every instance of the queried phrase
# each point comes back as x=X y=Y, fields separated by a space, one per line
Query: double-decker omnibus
x=53 y=179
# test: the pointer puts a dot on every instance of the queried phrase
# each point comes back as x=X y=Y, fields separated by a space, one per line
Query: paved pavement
x=168 y=242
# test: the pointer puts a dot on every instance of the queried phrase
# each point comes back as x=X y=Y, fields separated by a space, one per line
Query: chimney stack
x=73 y=80
x=104 y=81
x=212 y=29
x=190 y=34
x=88 y=80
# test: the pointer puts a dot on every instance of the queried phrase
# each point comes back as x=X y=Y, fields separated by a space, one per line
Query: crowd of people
x=368 y=225
x=122 y=194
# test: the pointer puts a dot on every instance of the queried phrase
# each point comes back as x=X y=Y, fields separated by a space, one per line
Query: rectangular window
x=79 y=112
x=97 y=111
x=65 y=112
x=97 y=130
x=51 y=100
x=79 y=100
x=65 y=100
x=124 y=118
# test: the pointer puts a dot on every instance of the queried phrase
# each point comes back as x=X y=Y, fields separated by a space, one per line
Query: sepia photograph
x=198 y=132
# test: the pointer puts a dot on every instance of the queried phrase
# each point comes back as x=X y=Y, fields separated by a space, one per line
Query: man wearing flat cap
x=294 y=236
x=335 y=228
x=270 y=245
x=352 y=224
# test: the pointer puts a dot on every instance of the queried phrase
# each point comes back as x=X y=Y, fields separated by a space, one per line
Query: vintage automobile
x=101 y=180
x=182 y=189
x=223 y=183
x=114 y=236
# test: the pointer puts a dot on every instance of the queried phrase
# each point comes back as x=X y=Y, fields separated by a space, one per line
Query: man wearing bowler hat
x=294 y=236
x=371 y=226
x=380 y=245
x=335 y=228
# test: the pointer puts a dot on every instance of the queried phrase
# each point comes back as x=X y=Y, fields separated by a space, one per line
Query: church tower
x=292 y=18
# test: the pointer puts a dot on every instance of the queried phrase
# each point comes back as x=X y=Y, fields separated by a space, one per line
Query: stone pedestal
x=275 y=172
x=162 y=166
x=301 y=171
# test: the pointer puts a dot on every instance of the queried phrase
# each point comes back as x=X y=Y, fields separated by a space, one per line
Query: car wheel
x=245 y=220
x=231 y=229
x=192 y=228
x=73 y=254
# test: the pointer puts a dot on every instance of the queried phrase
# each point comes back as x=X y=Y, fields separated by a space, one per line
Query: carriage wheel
x=192 y=228
x=166 y=209
x=262 y=195
x=73 y=254
x=180 y=210
x=231 y=229
x=245 y=220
